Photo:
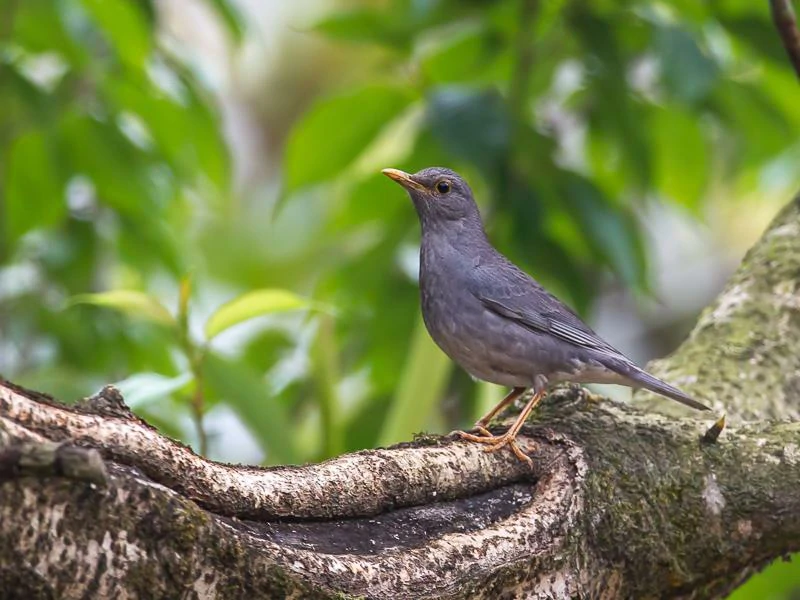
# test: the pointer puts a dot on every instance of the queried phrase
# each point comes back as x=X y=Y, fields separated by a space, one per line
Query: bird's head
x=438 y=194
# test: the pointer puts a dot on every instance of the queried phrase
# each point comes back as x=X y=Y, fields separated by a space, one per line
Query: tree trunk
x=622 y=501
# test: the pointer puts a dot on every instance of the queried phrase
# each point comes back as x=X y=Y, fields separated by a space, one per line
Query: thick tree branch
x=621 y=502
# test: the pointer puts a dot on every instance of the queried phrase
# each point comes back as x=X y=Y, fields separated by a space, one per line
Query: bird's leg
x=481 y=423
x=495 y=442
x=509 y=437
x=532 y=403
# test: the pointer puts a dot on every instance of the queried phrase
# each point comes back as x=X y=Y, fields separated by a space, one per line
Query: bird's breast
x=461 y=326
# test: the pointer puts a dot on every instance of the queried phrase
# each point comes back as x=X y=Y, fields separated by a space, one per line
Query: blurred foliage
x=116 y=192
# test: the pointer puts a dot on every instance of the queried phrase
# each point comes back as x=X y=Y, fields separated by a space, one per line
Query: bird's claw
x=505 y=440
x=496 y=442
x=486 y=436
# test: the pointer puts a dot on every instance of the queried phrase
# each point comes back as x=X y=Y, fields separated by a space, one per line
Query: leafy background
x=191 y=204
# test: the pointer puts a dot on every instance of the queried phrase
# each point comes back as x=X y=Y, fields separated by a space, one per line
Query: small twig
x=711 y=436
x=195 y=355
x=198 y=407
x=197 y=400
x=785 y=23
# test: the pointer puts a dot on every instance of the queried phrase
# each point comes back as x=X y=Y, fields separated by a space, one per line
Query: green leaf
x=130 y=302
x=688 y=73
x=761 y=129
x=471 y=54
x=611 y=107
x=117 y=168
x=472 y=125
x=610 y=230
x=383 y=27
x=334 y=132
x=246 y=392
x=253 y=304
x=125 y=25
x=145 y=388
x=34 y=194
x=758 y=35
x=779 y=580
x=681 y=153
x=231 y=17
x=186 y=132
x=368 y=26
x=38 y=27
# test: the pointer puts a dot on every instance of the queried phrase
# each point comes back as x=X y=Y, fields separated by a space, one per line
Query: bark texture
x=622 y=502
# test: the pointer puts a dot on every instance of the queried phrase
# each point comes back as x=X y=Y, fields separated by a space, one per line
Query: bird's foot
x=511 y=442
x=496 y=442
x=592 y=397
x=485 y=434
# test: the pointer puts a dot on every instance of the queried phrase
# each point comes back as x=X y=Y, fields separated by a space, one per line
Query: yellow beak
x=403 y=179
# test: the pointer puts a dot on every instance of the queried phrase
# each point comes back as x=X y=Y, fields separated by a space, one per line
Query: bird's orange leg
x=486 y=435
x=481 y=423
x=495 y=442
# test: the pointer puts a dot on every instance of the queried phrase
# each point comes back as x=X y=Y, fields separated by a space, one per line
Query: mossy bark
x=742 y=354
x=621 y=502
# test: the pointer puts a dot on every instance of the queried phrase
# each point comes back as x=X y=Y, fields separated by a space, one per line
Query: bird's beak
x=403 y=179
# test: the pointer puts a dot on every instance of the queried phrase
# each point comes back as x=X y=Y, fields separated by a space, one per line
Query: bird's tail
x=654 y=384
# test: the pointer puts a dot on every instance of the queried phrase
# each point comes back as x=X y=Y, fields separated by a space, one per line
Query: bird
x=495 y=320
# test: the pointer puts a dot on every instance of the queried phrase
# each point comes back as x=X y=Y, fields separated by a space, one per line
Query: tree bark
x=622 y=501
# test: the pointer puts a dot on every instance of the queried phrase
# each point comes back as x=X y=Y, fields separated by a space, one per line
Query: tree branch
x=620 y=502
x=783 y=17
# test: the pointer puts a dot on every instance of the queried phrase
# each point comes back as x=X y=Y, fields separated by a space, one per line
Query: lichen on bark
x=742 y=354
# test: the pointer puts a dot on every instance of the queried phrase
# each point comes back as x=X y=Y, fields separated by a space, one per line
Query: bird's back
x=455 y=279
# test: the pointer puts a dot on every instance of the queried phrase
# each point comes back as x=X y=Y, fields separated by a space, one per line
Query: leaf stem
x=195 y=356
x=326 y=370
x=197 y=404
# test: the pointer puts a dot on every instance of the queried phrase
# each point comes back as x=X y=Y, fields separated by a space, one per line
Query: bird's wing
x=521 y=299
x=510 y=293
x=550 y=323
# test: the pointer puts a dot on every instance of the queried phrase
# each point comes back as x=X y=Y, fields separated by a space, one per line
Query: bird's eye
x=443 y=187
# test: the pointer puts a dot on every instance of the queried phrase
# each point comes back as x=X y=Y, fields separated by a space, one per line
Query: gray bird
x=495 y=320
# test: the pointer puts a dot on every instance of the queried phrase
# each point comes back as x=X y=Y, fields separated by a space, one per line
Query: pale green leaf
x=253 y=304
x=231 y=17
x=337 y=130
x=126 y=28
x=681 y=156
x=141 y=389
x=130 y=302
